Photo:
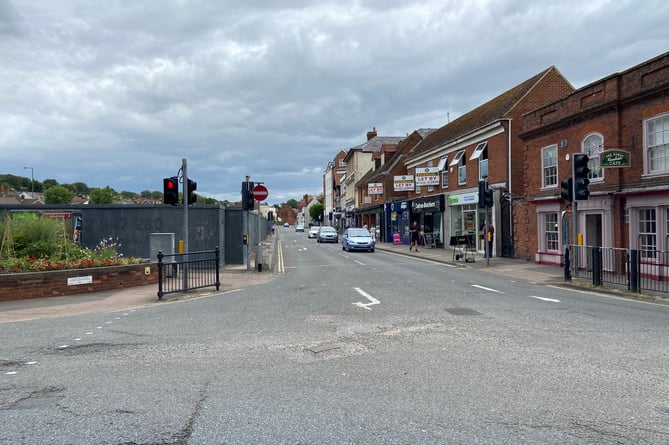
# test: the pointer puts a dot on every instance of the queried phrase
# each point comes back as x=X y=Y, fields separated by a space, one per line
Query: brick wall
x=19 y=286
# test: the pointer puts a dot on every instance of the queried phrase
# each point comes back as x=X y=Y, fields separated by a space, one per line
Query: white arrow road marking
x=487 y=288
x=550 y=300
x=372 y=300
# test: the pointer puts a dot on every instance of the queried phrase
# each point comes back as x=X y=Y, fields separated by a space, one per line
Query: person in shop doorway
x=488 y=234
x=414 y=231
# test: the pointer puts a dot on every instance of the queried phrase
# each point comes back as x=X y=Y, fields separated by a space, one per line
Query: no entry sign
x=260 y=192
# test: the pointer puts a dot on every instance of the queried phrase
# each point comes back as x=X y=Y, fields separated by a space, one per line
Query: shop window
x=657 y=144
x=593 y=146
x=647 y=232
x=551 y=232
x=549 y=166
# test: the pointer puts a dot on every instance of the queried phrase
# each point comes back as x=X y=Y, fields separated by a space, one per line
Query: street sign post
x=260 y=192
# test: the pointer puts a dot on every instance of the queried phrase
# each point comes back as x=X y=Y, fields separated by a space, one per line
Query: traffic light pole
x=245 y=223
x=184 y=167
x=259 y=254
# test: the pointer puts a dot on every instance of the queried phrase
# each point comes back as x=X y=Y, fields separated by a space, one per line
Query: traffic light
x=485 y=196
x=581 y=181
x=192 y=197
x=171 y=190
x=567 y=189
x=488 y=198
x=482 y=194
x=247 y=196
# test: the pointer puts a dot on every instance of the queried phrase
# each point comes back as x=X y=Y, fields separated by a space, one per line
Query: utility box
x=162 y=242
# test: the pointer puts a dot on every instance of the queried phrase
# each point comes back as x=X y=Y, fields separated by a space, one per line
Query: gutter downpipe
x=513 y=244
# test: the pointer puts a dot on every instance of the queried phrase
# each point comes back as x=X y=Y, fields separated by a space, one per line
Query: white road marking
x=361 y=263
x=372 y=300
x=487 y=288
x=550 y=300
x=10 y=373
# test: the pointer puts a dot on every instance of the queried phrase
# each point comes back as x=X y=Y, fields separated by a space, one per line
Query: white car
x=313 y=232
x=299 y=227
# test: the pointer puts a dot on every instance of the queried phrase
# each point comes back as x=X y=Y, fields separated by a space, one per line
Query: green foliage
x=102 y=196
x=58 y=195
x=292 y=203
x=316 y=211
x=40 y=244
x=35 y=237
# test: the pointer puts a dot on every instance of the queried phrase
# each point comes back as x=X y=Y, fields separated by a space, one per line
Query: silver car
x=327 y=234
x=357 y=239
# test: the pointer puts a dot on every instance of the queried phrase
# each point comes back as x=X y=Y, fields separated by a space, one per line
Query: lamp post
x=32 y=181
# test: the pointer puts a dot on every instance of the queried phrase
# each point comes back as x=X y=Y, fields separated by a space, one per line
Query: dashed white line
x=487 y=288
x=550 y=300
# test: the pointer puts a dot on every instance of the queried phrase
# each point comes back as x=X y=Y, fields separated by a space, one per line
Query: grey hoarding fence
x=203 y=270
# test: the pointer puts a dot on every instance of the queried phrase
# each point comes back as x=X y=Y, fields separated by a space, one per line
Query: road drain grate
x=462 y=311
x=322 y=348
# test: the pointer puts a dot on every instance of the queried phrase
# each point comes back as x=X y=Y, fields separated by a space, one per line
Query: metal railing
x=181 y=272
x=637 y=269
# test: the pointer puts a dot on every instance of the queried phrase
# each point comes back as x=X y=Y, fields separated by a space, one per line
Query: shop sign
x=614 y=158
x=403 y=183
x=428 y=205
x=427 y=176
x=457 y=200
x=375 y=188
x=398 y=206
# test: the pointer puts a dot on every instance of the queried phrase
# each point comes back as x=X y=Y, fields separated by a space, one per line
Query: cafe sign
x=614 y=158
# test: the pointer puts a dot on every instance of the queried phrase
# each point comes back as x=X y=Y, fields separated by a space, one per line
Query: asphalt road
x=346 y=348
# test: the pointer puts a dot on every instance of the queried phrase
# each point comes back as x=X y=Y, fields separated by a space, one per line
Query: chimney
x=371 y=134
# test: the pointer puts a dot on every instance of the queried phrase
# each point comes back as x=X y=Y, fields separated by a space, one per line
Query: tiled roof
x=374 y=144
x=493 y=110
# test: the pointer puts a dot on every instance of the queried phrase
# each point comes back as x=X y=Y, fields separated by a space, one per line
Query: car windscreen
x=360 y=232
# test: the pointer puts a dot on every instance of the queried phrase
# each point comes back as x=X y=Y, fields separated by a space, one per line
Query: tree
x=102 y=196
x=316 y=212
x=58 y=195
x=292 y=203
x=48 y=183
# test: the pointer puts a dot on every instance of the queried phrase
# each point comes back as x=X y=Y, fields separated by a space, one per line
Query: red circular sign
x=260 y=192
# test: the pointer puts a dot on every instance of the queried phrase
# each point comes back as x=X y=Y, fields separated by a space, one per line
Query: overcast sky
x=118 y=92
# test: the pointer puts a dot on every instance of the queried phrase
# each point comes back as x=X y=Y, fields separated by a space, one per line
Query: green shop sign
x=614 y=158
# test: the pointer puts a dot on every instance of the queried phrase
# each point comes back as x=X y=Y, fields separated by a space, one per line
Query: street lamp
x=32 y=181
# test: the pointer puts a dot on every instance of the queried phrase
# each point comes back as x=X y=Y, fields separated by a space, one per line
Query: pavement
x=235 y=277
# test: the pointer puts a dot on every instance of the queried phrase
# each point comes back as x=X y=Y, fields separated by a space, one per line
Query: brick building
x=624 y=116
x=481 y=145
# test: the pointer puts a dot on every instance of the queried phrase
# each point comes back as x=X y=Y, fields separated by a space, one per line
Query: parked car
x=357 y=239
x=313 y=232
x=286 y=225
x=299 y=227
x=327 y=234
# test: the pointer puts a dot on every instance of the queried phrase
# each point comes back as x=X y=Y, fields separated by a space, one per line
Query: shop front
x=397 y=222
x=428 y=211
x=466 y=218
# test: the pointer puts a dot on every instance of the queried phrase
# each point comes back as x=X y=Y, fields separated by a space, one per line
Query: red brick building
x=481 y=145
x=624 y=116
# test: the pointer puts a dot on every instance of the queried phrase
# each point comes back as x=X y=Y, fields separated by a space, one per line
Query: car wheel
x=372 y=250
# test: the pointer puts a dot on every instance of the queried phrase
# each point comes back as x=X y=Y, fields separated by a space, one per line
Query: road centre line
x=550 y=300
x=487 y=288
x=359 y=262
x=372 y=300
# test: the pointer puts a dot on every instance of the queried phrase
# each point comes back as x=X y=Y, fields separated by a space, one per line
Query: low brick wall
x=19 y=286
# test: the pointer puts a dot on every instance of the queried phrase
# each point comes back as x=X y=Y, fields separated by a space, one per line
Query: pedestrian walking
x=414 y=236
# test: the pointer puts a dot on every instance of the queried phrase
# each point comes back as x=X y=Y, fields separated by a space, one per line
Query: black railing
x=181 y=272
x=637 y=269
